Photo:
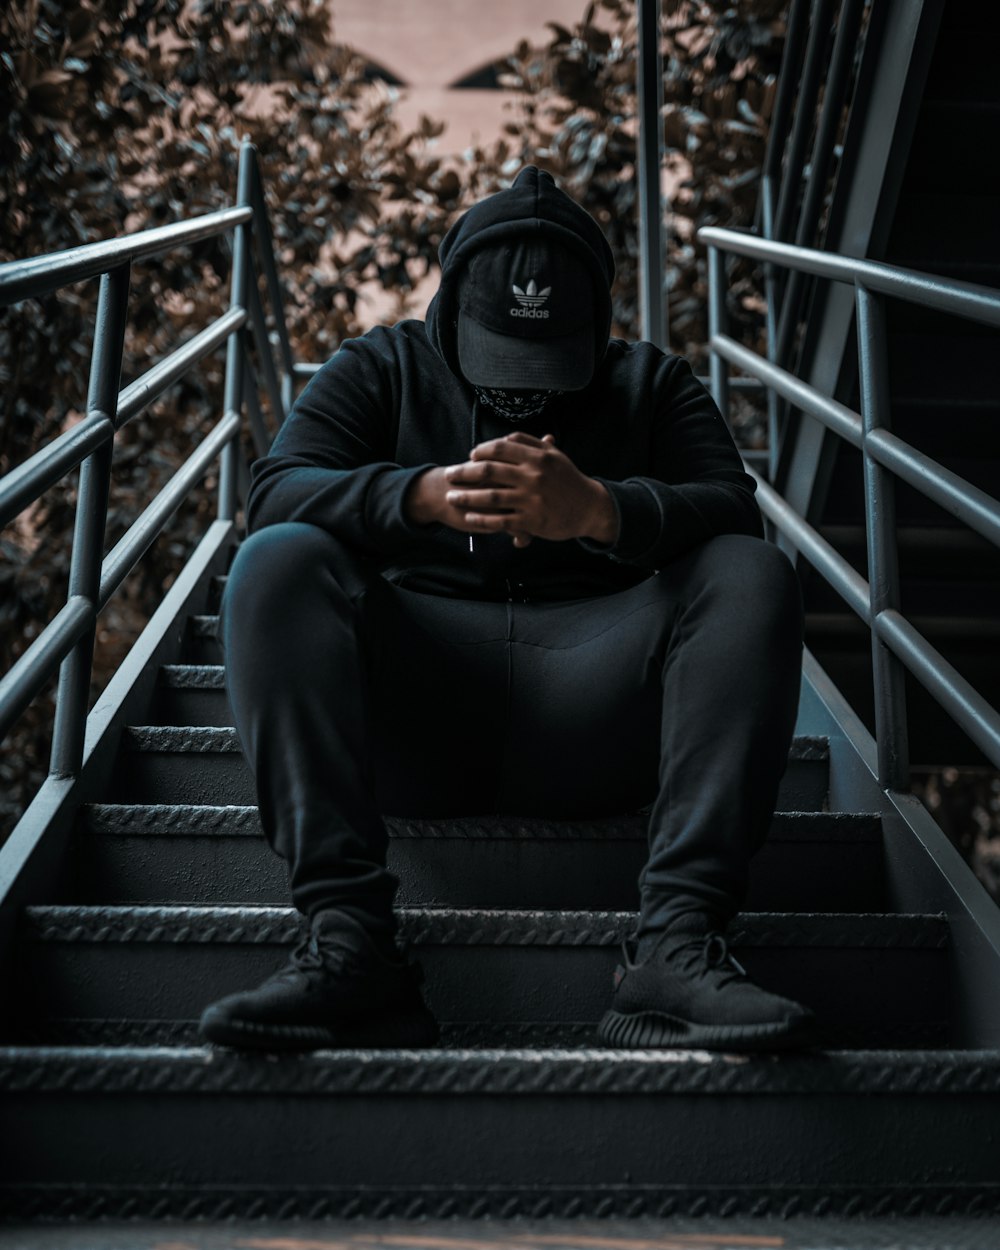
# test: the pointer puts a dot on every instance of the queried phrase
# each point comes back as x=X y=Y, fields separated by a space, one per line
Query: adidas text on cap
x=526 y=318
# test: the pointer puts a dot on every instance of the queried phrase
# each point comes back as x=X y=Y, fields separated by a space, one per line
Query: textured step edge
x=223 y=738
x=187 y=818
x=83 y=1203
x=447 y=926
x=193 y=676
x=591 y=1070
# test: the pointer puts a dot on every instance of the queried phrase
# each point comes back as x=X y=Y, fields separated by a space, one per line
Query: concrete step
x=183 y=853
x=198 y=764
x=204 y=1134
x=887 y=972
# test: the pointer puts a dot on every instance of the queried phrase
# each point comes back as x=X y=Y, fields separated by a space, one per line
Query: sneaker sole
x=368 y=1031
x=654 y=1028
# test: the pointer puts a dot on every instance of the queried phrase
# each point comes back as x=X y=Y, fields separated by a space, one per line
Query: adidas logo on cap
x=531 y=300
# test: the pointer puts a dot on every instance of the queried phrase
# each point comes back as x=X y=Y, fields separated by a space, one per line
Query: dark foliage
x=122 y=116
x=577 y=117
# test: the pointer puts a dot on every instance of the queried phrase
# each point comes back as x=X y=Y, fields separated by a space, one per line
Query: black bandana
x=515 y=405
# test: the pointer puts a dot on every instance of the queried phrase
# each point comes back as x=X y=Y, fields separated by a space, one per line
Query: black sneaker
x=339 y=989
x=691 y=992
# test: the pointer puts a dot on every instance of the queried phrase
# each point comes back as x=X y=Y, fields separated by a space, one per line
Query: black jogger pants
x=355 y=698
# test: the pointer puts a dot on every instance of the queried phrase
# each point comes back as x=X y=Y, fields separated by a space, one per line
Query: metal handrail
x=68 y=639
x=41 y=275
x=947 y=489
x=896 y=641
x=965 y=299
x=274 y=288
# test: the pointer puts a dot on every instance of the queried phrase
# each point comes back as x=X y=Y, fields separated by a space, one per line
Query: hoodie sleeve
x=331 y=463
x=697 y=486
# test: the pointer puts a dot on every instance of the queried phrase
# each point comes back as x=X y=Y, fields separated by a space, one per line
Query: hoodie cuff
x=640 y=521
x=384 y=513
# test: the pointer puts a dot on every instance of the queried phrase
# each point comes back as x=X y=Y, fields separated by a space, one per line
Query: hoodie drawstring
x=475 y=439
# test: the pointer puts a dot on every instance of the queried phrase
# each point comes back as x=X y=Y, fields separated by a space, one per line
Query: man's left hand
x=525 y=485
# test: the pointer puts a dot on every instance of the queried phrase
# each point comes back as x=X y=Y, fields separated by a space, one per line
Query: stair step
x=191 y=694
x=481 y=1133
x=964 y=63
x=845 y=493
x=948 y=146
x=183 y=853
x=495 y=1070
x=205 y=764
x=455 y=1034
x=935 y=628
x=890 y=971
x=947 y=233
x=845 y=499
x=193 y=676
x=948 y=553
x=937 y=356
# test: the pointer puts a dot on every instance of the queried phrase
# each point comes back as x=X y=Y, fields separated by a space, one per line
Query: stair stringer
x=34 y=859
x=897 y=60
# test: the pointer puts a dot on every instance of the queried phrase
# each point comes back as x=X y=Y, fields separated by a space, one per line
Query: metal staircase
x=914 y=185
x=138 y=887
x=169 y=897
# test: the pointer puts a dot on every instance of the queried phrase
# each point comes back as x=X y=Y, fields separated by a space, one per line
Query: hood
x=532 y=207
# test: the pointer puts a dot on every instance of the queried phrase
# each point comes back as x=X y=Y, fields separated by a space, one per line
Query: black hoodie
x=393 y=403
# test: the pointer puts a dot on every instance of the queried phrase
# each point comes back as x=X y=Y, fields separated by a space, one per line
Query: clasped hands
x=518 y=485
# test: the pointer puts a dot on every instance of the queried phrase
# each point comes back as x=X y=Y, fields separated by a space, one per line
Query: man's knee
x=749 y=574
x=279 y=563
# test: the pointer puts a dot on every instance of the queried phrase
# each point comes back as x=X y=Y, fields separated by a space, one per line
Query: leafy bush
x=577 y=118
x=119 y=117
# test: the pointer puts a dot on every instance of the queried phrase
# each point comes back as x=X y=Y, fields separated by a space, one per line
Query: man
x=499 y=562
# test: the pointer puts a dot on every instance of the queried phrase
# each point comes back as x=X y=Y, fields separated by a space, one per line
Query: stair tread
x=461 y=1035
x=165 y=819
x=432 y=925
x=448 y=1072
x=193 y=676
x=202 y=738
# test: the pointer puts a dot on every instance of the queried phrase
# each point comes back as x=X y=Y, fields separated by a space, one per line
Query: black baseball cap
x=526 y=313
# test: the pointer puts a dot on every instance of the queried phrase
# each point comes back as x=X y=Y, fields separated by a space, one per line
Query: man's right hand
x=426 y=502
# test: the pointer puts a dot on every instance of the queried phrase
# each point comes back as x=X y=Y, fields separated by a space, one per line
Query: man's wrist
x=417 y=506
x=602 y=524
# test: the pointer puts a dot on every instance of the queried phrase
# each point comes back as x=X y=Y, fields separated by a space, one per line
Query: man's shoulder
x=385 y=340
x=635 y=361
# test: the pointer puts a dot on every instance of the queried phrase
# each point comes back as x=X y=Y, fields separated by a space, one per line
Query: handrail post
x=236 y=349
x=717 y=324
x=883 y=557
x=771 y=298
x=265 y=243
x=69 y=727
x=817 y=43
x=652 y=251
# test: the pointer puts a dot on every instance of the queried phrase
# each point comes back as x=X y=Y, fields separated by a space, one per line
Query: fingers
x=499 y=462
x=479 y=472
x=479 y=499
x=494 y=522
x=514 y=448
x=522 y=436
